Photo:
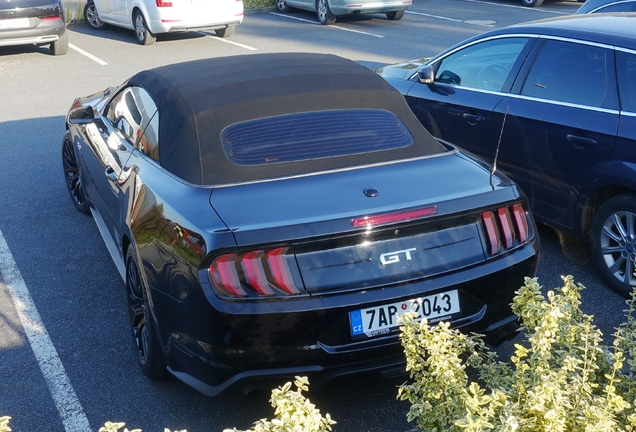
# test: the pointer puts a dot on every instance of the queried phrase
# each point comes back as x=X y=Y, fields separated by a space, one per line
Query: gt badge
x=394 y=257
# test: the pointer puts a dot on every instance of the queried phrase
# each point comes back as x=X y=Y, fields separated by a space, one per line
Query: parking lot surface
x=59 y=287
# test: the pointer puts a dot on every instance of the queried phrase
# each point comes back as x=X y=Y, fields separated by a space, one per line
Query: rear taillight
x=261 y=273
x=162 y=3
x=505 y=228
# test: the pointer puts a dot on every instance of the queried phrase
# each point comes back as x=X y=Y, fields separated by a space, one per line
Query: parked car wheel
x=149 y=355
x=142 y=33
x=60 y=46
x=225 y=32
x=532 y=3
x=613 y=241
x=324 y=13
x=281 y=6
x=92 y=18
x=71 y=174
x=394 y=16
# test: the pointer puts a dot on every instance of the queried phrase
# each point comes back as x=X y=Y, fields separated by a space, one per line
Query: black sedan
x=273 y=215
x=554 y=102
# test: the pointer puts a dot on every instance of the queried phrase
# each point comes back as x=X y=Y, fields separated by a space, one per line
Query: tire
x=281 y=6
x=147 y=349
x=225 y=32
x=325 y=17
x=613 y=242
x=60 y=46
x=532 y=3
x=92 y=18
x=142 y=33
x=74 y=183
x=394 y=16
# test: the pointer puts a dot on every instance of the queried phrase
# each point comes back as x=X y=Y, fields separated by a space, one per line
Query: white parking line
x=89 y=55
x=446 y=18
x=230 y=42
x=64 y=397
x=330 y=26
x=536 y=9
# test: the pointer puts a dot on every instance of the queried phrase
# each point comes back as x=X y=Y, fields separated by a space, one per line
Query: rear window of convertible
x=314 y=135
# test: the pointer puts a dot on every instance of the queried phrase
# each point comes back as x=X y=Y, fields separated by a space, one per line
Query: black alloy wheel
x=149 y=356
x=613 y=242
x=60 y=46
x=225 y=32
x=394 y=16
x=71 y=175
x=281 y=6
x=92 y=18
x=325 y=17
x=142 y=33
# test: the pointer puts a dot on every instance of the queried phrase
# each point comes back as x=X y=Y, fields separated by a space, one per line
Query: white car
x=151 y=17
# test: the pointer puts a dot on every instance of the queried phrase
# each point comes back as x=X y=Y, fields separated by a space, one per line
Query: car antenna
x=494 y=164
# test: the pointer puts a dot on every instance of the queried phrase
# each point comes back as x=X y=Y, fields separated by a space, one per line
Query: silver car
x=151 y=17
x=329 y=10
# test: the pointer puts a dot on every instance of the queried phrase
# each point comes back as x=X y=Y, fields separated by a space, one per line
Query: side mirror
x=426 y=74
x=81 y=116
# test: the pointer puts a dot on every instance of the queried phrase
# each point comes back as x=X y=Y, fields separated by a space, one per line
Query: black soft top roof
x=198 y=99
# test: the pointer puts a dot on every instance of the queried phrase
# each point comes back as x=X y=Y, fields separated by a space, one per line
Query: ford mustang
x=274 y=214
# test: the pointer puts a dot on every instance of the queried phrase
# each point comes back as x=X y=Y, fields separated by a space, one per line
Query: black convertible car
x=273 y=214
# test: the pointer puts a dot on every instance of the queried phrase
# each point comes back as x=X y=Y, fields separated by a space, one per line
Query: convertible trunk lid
x=324 y=218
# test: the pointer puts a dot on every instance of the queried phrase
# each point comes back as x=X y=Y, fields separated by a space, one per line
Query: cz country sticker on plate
x=382 y=319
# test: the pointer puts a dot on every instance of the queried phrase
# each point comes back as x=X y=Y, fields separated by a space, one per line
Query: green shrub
x=561 y=378
x=293 y=412
x=257 y=4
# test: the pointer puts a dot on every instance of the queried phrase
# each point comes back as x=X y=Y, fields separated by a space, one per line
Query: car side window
x=134 y=114
x=626 y=70
x=485 y=65
x=571 y=72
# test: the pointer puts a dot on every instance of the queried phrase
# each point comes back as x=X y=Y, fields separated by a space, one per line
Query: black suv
x=40 y=22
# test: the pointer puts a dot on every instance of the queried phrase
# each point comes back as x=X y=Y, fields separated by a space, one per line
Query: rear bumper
x=45 y=33
x=365 y=7
x=178 y=27
x=216 y=351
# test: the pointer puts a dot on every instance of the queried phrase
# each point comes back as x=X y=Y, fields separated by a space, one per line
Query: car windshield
x=314 y=135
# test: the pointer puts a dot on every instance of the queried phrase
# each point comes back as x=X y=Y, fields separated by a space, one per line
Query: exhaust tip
x=257 y=390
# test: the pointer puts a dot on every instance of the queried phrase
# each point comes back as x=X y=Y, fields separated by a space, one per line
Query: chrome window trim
x=567 y=104
x=628 y=113
x=492 y=92
x=608 y=5
x=625 y=50
x=579 y=41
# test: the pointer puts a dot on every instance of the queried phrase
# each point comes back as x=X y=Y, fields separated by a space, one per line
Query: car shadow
x=6 y=51
x=128 y=36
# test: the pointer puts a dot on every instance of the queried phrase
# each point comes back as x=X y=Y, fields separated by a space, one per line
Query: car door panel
x=553 y=151
x=469 y=84
x=560 y=131
x=460 y=116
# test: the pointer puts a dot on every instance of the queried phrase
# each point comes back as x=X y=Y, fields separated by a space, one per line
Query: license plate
x=14 y=23
x=380 y=320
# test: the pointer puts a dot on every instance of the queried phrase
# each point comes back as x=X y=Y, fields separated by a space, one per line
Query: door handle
x=472 y=118
x=110 y=174
x=580 y=142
